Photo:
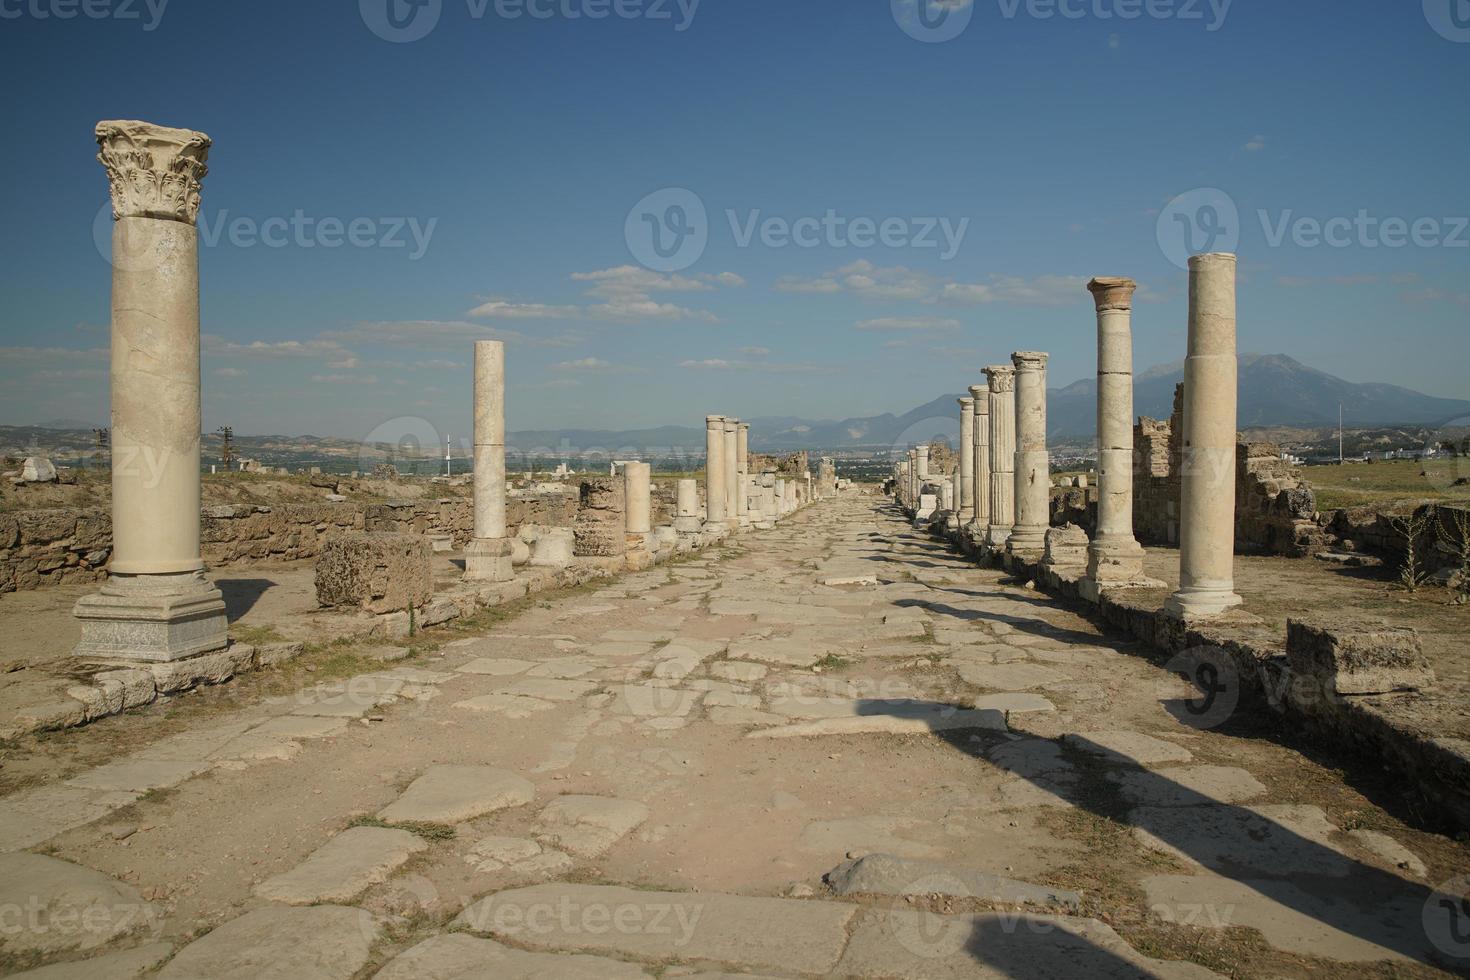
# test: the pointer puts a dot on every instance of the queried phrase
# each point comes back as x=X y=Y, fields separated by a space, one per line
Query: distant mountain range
x=1275 y=390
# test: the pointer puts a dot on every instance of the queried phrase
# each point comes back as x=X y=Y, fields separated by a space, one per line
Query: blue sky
x=492 y=166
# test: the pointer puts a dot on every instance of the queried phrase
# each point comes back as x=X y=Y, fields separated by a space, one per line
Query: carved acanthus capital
x=153 y=171
x=1002 y=377
x=1112 y=292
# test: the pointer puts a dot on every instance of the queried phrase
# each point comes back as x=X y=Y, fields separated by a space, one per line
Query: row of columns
x=1003 y=503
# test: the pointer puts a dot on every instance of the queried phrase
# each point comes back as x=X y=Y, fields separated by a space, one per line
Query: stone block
x=37 y=469
x=379 y=573
x=208 y=668
x=1358 y=657
x=1066 y=546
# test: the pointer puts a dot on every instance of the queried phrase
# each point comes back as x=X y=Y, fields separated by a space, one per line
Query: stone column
x=687 y=502
x=714 y=469
x=980 y=480
x=488 y=557
x=921 y=455
x=1114 y=556
x=742 y=472
x=966 y=474
x=157 y=605
x=732 y=472
x=1002 y=388
x=1033 y=469
x=1207 y=497
x=769 y=512
x=637 y=492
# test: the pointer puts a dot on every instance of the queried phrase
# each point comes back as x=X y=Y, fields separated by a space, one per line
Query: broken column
x=488 y=557
x=980 y=456
x=714 y=470
x=1207 y=495
x=1114 y=556
x=686 y=501
x=638 y=494
x=732 y=472
x=1033 y=468
x=157 y=604
x=1002 y=383
x=966 y=475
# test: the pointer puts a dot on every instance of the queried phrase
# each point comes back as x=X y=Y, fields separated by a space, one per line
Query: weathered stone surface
x=915 y=718
x=495 y=666
x=772 y=933
x=380 y=573
x=111 y=966
x=885 y=874
x=450 y=794
x=512 y=706
x=1274 y=840
x=1358 y=658
x=138 y=775
x=1190 y=786
x=1009 y=676
x=460 y=957
x=589 y=825
x=324 y=942
x=57 y=906
x=1134 y=747
x=519 y=855
x=343 y=867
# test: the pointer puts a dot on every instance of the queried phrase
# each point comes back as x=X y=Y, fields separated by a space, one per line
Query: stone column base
x=688 y=525
x=996 y=537
x=1115 y=565
x=489 y=560
x=152 y=619
x=1200 y=602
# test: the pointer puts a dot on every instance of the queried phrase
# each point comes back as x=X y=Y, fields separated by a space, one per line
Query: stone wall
x=601 y=526
x=236 y=533
x=40 y=548
x=1275 y=508
x=1367 y=529
x=786 y=466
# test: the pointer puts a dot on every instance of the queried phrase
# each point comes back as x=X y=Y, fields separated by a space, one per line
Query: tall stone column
x=488 y=557
x=714 y=469
x=1207 y=467
x=980 y=455
x=637 y=492
x=966 y=474
x=732 y=472
x=157 y=605
x=1033 y=468
x=1002 y=388
x=742 y=473
x=921 y=456
x=1114 y=556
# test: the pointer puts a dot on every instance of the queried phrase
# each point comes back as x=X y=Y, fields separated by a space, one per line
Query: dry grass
x=1387 y=483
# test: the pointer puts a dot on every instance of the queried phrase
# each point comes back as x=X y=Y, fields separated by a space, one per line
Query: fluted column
x=714 y=469
x=742 y=472
x=488 y=557
x=1207 y=504
x=732 y=472
x=1002 y=387
x=156 y=605
x=980 y=457
x=1033 y=468
x=1114 y=556
x=966 y=474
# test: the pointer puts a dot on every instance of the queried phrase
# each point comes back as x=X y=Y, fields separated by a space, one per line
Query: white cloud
x=864 y=280
x=722 y=364
x=582 y=364
x=273 y=349
x=909 y=323
x=1256 y=144
x=435 y=335
x=755 y=351
x=440 y=364
x=345 y=379
x=523 y=311
x=791 y=284
x=729 y=279
x=1048 y=290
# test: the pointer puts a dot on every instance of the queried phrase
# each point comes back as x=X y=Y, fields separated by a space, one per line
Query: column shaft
x=714 y=469
x=732 y=472
x=742 y=470
x=1002 y=378
x=1207 y=505
x=1033 y=469
x=488 y=557
x=637 y=491
x=980 y=456
x=1114 y=556
x=966 y=474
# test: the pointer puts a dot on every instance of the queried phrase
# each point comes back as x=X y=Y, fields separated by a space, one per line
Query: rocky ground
x=726 y=766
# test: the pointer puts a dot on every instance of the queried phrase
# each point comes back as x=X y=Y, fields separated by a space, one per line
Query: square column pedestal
x=489 y=560
x=152 y=618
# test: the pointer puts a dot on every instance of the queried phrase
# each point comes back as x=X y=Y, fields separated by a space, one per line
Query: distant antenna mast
x=447 y=457
x=1339 y=433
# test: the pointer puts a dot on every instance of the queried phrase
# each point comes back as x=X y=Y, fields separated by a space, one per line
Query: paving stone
x=654 y=700
x=730 y=699
x=460 y=957
x=1134 y=747
x=1395 y=854
x=1271 y=840
x=887 y=874
x=511 y=706
x=1009 y=677
x=138 y=775
x=563 y=667
x=294 y=726
x=589 y=825
x=343 y=867
x=743 y=716
x=744 y=673
x=1326 y=923
x=549 y=688
x=879 y=834
x=1018 y=702
x=451 y=794
x=495 y=666
x=997 y=946
x=518 y=855
x=771 y=933
x=782 y=651
x=323 y=942
x=123 y=965
x=1189 y=786
x=912 y=718
x=55 y=906
x=619 y=651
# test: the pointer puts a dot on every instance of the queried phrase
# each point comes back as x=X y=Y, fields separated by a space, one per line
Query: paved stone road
x=736 y=764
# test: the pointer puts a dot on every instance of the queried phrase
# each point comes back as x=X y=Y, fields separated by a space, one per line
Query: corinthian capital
x=153 y=171
x=1002 y=377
